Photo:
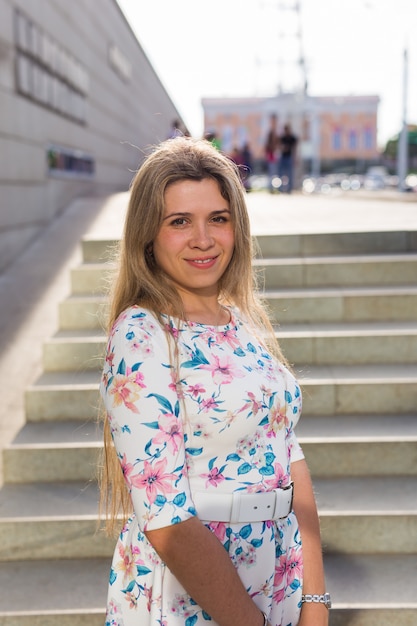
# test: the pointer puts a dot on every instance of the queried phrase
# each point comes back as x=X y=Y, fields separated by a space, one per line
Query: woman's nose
x=201 y=236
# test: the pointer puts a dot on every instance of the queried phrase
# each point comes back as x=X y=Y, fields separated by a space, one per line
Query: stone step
x=51 y=520
x=61 y=396
x=343 y=305
x=357 y=515
x=357 y=389
x=341 y=271
x=360 y=445
x=297 y=245
x=362 y=589
x=78 y=350
x=52 y=618
x=336 y=244
x=90 y=278
x=75 y=594
x=51 y=451
x=57 y=592
x=83 y=312
x=356 y=343
x=101 y=250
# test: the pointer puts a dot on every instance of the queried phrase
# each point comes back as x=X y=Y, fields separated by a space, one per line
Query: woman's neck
x=217 y=315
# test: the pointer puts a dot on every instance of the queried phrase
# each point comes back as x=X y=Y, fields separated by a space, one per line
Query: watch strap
x=318 y=598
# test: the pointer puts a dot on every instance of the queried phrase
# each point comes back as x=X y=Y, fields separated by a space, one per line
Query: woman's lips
x=202 y=263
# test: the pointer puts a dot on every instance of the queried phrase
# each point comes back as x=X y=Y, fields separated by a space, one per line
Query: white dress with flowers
x=233 y=430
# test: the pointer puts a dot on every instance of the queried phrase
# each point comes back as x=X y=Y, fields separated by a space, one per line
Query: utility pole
x=402 y=151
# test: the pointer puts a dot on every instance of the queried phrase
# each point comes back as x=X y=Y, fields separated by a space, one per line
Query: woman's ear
x=149 y=251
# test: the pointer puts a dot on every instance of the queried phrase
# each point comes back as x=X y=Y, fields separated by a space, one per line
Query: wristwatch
x=322 y=599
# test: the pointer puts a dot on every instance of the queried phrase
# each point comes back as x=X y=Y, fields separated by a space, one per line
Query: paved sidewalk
x=32 y=287
x=300 y=214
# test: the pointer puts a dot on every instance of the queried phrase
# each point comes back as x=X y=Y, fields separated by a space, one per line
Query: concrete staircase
x=347 y=305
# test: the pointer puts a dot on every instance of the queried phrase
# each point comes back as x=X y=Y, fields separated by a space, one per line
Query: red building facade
x=333 y=131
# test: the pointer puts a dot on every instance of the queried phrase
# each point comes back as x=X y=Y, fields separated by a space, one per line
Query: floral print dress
x=224 y=422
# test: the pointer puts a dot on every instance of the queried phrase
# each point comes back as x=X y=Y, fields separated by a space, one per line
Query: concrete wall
x=74 y=80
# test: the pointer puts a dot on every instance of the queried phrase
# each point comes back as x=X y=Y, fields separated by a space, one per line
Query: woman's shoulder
x=137 y=319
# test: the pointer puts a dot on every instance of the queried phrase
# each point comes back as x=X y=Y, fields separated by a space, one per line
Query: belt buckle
x=253 y=507
x=288 y=500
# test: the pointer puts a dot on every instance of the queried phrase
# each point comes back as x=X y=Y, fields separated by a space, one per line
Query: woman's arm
x=312 y=614
x=201 y=564
x=148 y=437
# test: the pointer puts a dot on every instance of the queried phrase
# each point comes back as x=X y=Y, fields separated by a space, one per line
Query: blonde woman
x=220 y=522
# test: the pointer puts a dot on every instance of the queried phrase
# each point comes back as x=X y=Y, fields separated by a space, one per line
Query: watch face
x=327 y=600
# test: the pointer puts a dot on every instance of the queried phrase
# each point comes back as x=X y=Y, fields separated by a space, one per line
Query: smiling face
x=196 y=239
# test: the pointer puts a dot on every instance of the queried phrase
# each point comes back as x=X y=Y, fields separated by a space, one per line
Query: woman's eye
x=220 y=218
x=179 y=221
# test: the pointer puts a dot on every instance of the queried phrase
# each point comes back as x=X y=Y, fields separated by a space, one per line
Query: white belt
x=243 y=507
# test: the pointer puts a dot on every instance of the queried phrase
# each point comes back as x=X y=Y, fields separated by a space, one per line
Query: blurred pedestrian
x=288 y=143
x=247 y=166
x=271 y=151
x=212 y=137
x=175 y=130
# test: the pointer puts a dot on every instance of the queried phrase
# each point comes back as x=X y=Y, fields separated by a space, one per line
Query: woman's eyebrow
x=188 y=214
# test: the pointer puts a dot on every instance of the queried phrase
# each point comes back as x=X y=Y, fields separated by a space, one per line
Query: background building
x=333 y=132
x=79 y=103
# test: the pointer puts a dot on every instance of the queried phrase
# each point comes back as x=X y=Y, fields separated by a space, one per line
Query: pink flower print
x=127 y=468
x=276 y=421
x=147 y=591
x=132 y=599
x=199 y=430
x=223 y=370
x=143 y=347
x=208 y=405
x=118 y=321
x=171 y=330
x=195 y=390
x=252 y=402
x=266 y=392
x=214 y=477
x=278 y=595
x=113 y=608
x=280 y=570
x=128 y=561
x=294 y=565
x=181 y=605
x=290 y=567
x=110 y=359
x=170 y=432
x=229 y=337
x=138 y=377
x=219 y=529
x=154 y=480
x=279 y=479
x=125 y=390
x=176 y=385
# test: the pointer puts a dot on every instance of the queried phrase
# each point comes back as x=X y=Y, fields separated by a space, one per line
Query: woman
x=201 y=411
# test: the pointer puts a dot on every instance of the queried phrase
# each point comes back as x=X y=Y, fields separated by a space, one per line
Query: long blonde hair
x=140 y=281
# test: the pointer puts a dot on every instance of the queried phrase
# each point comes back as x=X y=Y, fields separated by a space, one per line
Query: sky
x=226 y=48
